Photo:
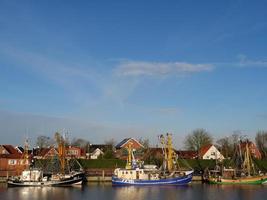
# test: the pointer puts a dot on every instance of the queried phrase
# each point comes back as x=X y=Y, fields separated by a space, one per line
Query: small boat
x=36 y=177
x=244 y=173
x=142 y=175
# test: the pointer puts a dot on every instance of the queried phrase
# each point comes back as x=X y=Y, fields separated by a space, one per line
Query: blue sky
x=105 y=69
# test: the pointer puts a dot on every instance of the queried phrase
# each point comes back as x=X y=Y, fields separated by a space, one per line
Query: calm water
x=106 y=191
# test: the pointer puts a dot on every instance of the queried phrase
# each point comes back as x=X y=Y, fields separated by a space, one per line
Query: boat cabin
x=137 y=174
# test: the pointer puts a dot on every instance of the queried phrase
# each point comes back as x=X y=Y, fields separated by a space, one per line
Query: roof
x=97 y=149
x=42 y=152
x=204 y=149
x=20 y=149
x=10 y=149
x=124 y=141
x=13 y=153
x=73 y=147
x=186 y=154
x=102 y=147
x=12 y=156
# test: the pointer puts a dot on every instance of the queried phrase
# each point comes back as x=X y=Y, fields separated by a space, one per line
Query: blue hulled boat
x=138 y=174
x=181 y=179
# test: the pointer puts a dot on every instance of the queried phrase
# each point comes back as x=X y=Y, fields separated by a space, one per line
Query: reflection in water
x=107 y=191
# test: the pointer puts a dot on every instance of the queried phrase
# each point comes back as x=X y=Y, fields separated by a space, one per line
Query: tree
x=110 y=144
x=197 y=139
x=227 y=145
x=261 y=142
x=144 y=142
x=82 y=143
x=43 y=141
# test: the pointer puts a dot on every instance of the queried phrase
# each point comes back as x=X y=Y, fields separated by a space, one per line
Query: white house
x=210 y=152
x=96 y=153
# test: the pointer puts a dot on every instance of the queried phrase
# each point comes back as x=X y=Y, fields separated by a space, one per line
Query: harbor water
x=107 y=191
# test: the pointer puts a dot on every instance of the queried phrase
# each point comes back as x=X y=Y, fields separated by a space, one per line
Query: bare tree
x=227 y=145
x=197 y=139
x=111 y=143
x=144 y=142
x=43 y=141
x=79 y=142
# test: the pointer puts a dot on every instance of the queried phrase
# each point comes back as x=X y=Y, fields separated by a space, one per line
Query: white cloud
x=139 y=68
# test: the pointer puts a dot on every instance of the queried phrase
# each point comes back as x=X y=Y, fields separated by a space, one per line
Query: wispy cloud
x=139 y=68
x=244 y=61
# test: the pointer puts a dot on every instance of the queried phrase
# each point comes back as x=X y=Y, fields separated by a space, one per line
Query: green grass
x=102 y=163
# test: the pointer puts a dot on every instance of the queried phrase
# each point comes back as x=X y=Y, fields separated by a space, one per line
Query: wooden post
x=7 y=175
x=103 y=175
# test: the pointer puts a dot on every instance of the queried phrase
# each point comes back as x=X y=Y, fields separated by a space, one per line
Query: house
x=187 y=154
x=208 y=152
x=125 y=143
x=121 y=148
x=12 y=162
x=254 y=151
x=96 y=153
x=74 y=152
x=45 y=153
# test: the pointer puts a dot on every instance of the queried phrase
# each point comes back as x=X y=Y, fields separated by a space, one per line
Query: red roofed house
x=254 y=151
x=210 y=152
x=74 y=152
x=121 y=151
x=46 y=153
x=11 y=161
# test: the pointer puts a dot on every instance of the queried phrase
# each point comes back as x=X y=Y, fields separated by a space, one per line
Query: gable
x=212 y=153
x=3 y=151
x=97 y=152
x=124 y=143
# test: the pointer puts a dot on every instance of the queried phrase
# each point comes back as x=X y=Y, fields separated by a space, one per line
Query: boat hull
x=184 y=180
x=76 y=179
x=240 y=181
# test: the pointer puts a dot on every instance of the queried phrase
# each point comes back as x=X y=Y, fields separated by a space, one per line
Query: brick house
x=121 y=151
x=74 y=152
x=254 y=151
x=45 y=153
x=12 y=162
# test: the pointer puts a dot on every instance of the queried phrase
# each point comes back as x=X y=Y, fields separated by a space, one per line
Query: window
x=12 y=162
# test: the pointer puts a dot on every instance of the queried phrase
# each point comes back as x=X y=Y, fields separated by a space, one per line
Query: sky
x=115 y=69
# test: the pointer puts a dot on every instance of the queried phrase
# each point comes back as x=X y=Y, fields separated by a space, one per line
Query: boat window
x=126 y=172
x=131 y=172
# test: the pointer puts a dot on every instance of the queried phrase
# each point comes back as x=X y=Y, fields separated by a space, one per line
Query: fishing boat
x=35 y=177
x=243 y=173
x=137 y=174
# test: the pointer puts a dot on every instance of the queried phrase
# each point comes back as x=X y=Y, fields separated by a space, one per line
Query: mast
x=61 y=151
x=165 y=156
x=130 y=156
x=248 y=165
x=26 y=154
x=170 y=152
